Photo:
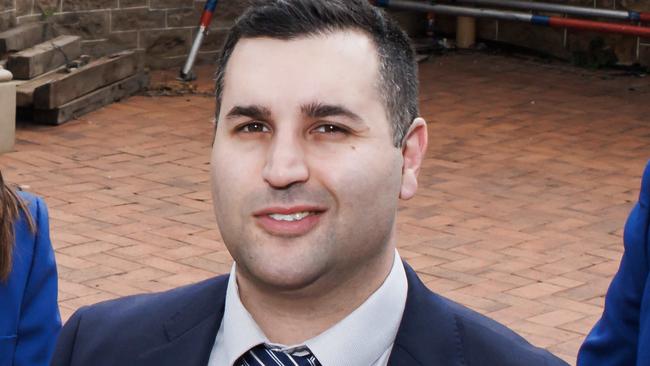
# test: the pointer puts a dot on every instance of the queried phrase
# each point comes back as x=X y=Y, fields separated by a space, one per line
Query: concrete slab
x=7 y=116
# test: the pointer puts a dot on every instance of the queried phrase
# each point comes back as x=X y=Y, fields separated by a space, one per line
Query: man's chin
x=285 y=276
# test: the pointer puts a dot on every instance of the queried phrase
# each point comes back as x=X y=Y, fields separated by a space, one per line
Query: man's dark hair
x=290 y=19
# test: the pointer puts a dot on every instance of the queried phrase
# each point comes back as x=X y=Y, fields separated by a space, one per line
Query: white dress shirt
x=363 y=338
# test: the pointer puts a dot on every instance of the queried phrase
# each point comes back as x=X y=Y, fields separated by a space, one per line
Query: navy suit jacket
x=179 y=327
x=29 y=314
x=622 y=335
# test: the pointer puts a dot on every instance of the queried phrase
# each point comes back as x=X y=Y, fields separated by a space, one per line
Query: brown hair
x=10 y=208
x=290 y=19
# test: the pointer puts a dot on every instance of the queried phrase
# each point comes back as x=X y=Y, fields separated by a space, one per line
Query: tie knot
x=264 y=355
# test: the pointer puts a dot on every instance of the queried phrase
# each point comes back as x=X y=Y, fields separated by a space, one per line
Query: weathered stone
x=115 y=42
x=636 y=5
x=92 y=101
x=171 y=4
x=24 y=7
x=7 y=20
x=606 y=4
x=546 y=40
x=227 y=10
x=76 y=5
x=597 y=49
x=133 y=3
x=6 y=5
x=24 y=36
x=167 y=42
x=486 y=29
x=184 y=17
x=44 y=57
x=165 y=62
x=214 y=40
x=411 y=22
x=26 y=19
x=136 y=19
x=207 y=58
x=47 y=7
x=127 y=40
x=88 y=25
x=644 y=55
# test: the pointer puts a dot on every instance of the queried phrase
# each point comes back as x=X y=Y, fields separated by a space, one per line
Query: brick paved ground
x=530 y=173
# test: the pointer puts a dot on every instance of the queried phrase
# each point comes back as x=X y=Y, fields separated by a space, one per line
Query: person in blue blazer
x=622 y=335
x=29 y=313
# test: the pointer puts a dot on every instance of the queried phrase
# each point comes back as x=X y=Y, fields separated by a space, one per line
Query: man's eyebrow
x=320 y=110
x=251 y=111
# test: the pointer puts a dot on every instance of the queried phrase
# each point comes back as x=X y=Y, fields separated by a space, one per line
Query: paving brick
x=530 y=173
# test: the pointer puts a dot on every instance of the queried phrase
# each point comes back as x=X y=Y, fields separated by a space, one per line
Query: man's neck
x=291 y=318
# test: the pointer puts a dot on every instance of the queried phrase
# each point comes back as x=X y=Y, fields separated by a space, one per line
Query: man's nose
x=285 y=163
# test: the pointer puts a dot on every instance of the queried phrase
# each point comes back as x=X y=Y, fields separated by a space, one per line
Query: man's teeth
x=292 y=217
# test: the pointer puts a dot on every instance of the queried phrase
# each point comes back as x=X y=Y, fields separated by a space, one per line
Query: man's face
x=305 y=177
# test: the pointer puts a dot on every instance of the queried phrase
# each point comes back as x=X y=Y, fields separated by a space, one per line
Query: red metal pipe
x=604 y=27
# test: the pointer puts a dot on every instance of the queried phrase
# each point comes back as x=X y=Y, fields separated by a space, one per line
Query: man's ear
x=414 y=148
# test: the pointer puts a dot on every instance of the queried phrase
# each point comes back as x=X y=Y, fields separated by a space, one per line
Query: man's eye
x=330 y=129
x=254 y=127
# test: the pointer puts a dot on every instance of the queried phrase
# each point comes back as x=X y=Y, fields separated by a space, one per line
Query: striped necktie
x=261 y=355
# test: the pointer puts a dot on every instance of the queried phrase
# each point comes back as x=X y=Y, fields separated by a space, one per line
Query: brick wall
x=163 y=29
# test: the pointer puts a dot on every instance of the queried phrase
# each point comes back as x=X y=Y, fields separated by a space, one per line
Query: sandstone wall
x=163 y=29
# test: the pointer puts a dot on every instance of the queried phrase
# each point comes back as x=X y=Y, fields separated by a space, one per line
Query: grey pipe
x=556 y=8
x=459 y=10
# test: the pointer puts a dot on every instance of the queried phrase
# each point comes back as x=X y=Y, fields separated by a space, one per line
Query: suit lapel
x=428 y=334
x=190 y=332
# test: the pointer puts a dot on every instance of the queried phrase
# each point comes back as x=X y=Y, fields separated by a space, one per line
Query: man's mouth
x=291 y=217
x=289 y=221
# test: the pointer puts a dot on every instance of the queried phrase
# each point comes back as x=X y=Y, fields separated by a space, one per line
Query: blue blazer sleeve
x=32 y=291
x=622 y=335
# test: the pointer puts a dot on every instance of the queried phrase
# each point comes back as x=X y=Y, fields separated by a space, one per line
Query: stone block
x=47 y=6
x=7 y=20
x=171 y=4
x=644 y=55
x=76 y=5
x=546 y=40
x=636 y=5
x=166 y=42
x=7 y=116
x=25 y=19
x=214 y=40
x=133 y=3
x=88 y=25
x=622 y=47
x=184 y=17
x=165 y=62
x=486 y=29
x=413 y=23
x=136 y=19
x=227 y=10
x=115 y=42
x=24 y=36
x=24 y=7
x=6 y=5
x=207 y=58
x=44 y=57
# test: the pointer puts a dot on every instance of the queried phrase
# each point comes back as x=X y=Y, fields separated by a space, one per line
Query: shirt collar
x=361 y=338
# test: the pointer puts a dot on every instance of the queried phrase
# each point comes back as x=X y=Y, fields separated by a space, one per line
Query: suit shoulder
x=151 y=307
